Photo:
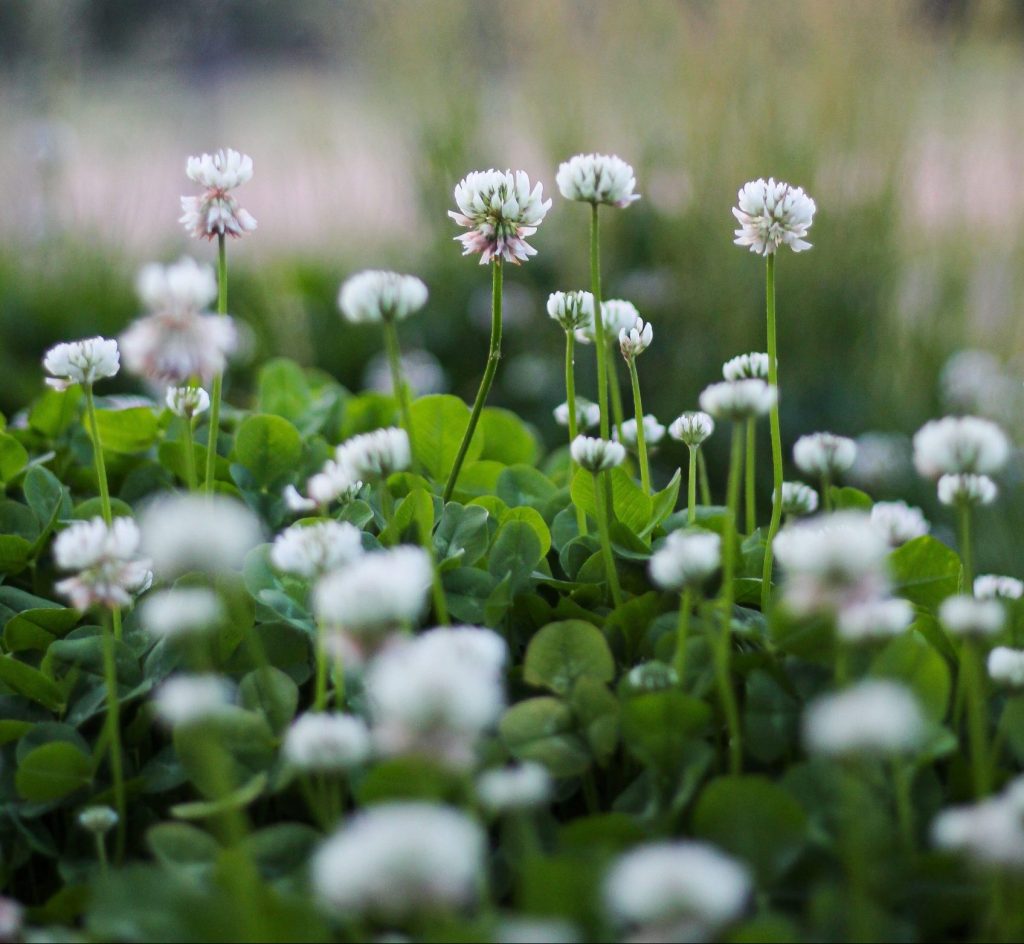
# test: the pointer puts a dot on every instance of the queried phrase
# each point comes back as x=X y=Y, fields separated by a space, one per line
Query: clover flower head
x=572 y=310
x=957 y=445
x=597 y=455
x=824 y=454
x=327 y=743
x=692 y=428
x=967 y=489
x=375 y=296
x=12 y=917
x=616 y=314
x=874 y=619
x=746 y=366
x=588 y=413
x=739 y=400
x=187 y=401
x=1006 y=667
x=187 y=699
x=180 y=611
x=500 y=211
x=81 y=362
x=772 y=214
x=336 y=481
x=964 y=615
x=521 y=787
x=109 y=571
x=798 y=499
x=993 y=586
x=686 y=559
x=874 y=718
x=97 y=819
x=377 y=454
x=216 y=212
x=899 y=521
x=597 y=178
x=185 y=285
x=990 y=833
x=312 y=550
x=395 y=860
x=654 y=432
x=636 y=339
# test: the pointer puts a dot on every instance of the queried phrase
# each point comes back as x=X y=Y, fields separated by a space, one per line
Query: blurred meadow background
x=902 y=118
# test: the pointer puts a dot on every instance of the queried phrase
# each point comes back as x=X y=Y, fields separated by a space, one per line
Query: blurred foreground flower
x=109 y=571
x=872 y=718
x=374 y=296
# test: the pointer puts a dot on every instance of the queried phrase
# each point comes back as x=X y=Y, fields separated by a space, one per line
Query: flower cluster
x=597 y=178
x=217 y=212
x=500 y=211
x=376 y=296
x=81 y=362
x=105 y=558
x=773 y=214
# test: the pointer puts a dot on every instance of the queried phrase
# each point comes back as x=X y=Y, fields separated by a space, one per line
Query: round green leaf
x=52 y=771
x=268 y=446
x=507 y=439
x=561 y=653
x=439 y=422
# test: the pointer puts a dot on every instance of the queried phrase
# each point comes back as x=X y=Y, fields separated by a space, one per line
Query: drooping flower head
x=746 y=366
x=772 y=214
x=81 y=362
x=596 y=455
x=187 y=401
x=588 y=413
x=636 y=339
x=686 y=559
x=899 y=521
x=500 y=211
x=738 y=400
x=109 y=571
x=216 y=212
x=654 y=432
x=967 y=489
x=375 y=296
x=798 y=499
x=572 y=310
x=959 y=445
x=824 y=454
x=597 y=178
x=692 y=428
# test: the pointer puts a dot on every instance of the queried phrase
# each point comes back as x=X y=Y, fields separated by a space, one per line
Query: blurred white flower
x=186 y=699
x=616 y=314
x=824 y=454
x=967 y=489
x=899 y=522
x=990 y=833
x=375 y=296
x=216 y=211
x=375 y=455
x=987 y=586
x=184 y=286
x=597 y=178
x=536 y=931
x=596 y=455
x=334 y=482
x=588 y=414
x=676 y=891
x=180 y=611
x=874 y=619
x=654 y=432
x=872 y=717
x=738 y=400
x=500 y=211
x=187 y=401
x=12 y=916
x=94 y=819
x=798 y=499
x=956 y=445
x=108 y=569
x=773 y=214
x=208 y=533
x=327 y=743
x=314 y=549
x=81 y=362
x=686 y=559
x=1006 y=667
x=746 y=366
x=572 y=310
x=966 y=616
x=396 y=859
x=692 y=428
x=521 y=787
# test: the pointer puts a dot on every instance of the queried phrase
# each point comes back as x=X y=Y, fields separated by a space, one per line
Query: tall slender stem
x=723 y=646
x=322 y=665
x=97 y=454
x=964 y=539
x=903 y=779
x=599 y=341
x=618 y=414
x=398 y=384
x=641 y=439
x=977 y=717
x=215 y=391
x=114 y=735
x=606 y=541
x=826 y=493
x=691 y=487
x=682 y=634
x=750 y=477
x=485 y=384
x=705 y=484
x=570 y=400
x=190 y=455
x=776 y=432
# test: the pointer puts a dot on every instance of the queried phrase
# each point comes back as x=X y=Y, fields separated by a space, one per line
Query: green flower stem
x=215 y=392
x=856 y=856
x=100 y=842
x=190 y=456
x=723 y=645
x=387 y=504
x=600 y=346
x=606 y=540
x=826 y=493
x=903 y=779
x=322 y=666
x=97 y=454
x=570 y=399
x=114 y=736
x=842 y=656
x=641 y=439
x=691 y=487
x=338 y=672
x=750 y=477
x=398 y=384
x=977 y=717
x=682 y=634
x=436 y=584
x=705 y=484
x=618 y=413
x=964 y=540
x=485 y=384
x=776 y=432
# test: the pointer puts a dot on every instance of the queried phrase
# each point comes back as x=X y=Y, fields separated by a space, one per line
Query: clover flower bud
x=98 y=820
x=798 y=499
x=746 y=367
x=81 y=362
x=588 y=413
x=967 y=489
x=772 y=214
x=636 y=339
x=572 y=310
x=654 y=432
x=966 y=616
x=376 y=296
x=187 y=401
x=875 y=718
x=738 y=400
x=1006 y=667
x=596 y=455
x=521 y=787
x=375 y=455
x=692 y=428
x=899 y=522
x=824 y=454
x=686 y=559
x=990 y=833
x=990 y=586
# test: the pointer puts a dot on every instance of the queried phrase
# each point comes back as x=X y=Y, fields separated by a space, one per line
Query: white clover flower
x=676 y=891
x=654 y=432
x=616 y=314
x=536 y=931
x=597 y=178
x=396 y=859
x=375 y=455
x=500 y=211
x=746 y=366
x=966 y=616
x=187 y=401
x=572 y=310
x=375 y=296
x=692 y=428
x=798 y=499
x=108 y=569
x=327 y=743
x=773 y=214
x=686 y=559
x=989 y=586
x=521 y=787
x=990 y=833
x=636 y=339
x=186 y=699
x=180 y=611
x=967 y=489
x=872 y=717
x=824 y=454
x=588 y=413
x=436 y=693
x=899 y=522
x=377 y=592
x=216 y=212
x=738 y=400
x=81 y=362
x=95 y=819
x=596 y=455
x=874 y=619
x=312 y=550
x=334 y=482
x=184 y=286
x=209 y=533
x=956 y=445
x=1006 y=667
x=12 y=917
